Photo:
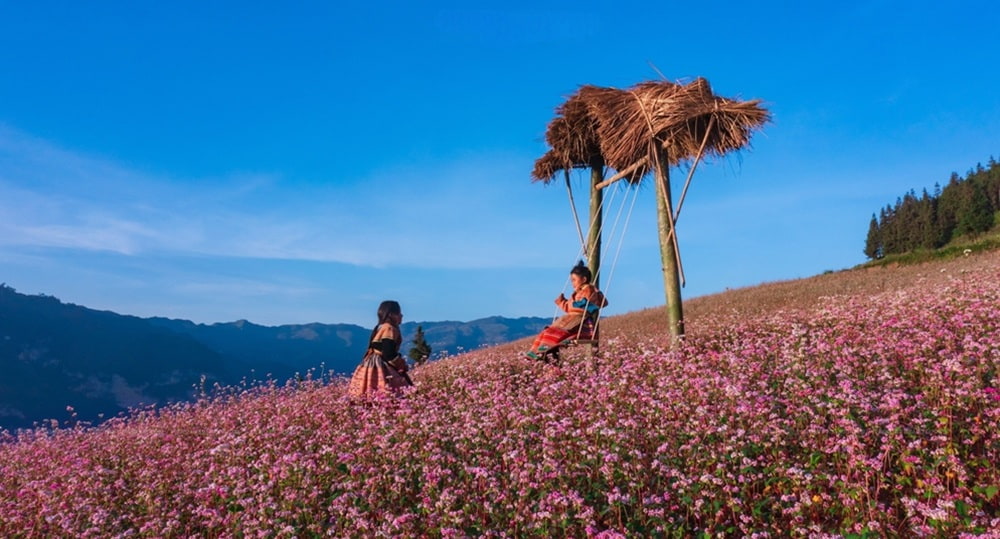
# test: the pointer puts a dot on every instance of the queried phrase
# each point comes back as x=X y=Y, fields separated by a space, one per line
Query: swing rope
x=582 y=252
x=576 y=217
x=618 y=250
x=613 y=234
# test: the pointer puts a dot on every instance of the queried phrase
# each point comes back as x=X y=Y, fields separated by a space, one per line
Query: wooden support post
x=596 y=220
x=669 y=255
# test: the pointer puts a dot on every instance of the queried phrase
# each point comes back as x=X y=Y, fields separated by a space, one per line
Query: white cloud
x=477 y=212
x=243 y=288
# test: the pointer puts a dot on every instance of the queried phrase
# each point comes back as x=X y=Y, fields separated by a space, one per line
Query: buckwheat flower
x=616 y=496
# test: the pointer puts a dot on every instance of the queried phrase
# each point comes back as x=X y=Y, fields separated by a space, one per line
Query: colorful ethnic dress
x=584 y=304
x=377 y=373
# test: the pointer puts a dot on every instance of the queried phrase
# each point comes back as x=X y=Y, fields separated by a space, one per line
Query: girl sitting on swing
x=584 y=303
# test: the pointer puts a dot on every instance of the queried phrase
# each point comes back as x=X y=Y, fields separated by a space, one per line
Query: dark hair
x=385 y=309
x=582 y=270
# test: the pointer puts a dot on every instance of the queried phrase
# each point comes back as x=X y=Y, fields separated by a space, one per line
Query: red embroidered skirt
x=549 y=338
x=566 y=327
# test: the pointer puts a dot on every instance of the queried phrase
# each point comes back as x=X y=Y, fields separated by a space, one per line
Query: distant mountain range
x=55 y=355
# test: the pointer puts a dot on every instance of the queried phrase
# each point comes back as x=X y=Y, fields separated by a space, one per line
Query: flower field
x=871 y=412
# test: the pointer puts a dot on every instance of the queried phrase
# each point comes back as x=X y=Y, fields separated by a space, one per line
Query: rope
x=628 y=218
x=576 y=218
x=654 y=154
x=605 y=201
x=612 y=237
x=642 y=107
x=672 y=236
x=621 y=239
x=618 y=250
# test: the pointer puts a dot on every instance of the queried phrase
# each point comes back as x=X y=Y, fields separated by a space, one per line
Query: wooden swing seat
x=588 y=335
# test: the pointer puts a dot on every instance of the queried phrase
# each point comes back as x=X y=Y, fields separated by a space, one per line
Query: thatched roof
x=572 y=137
x=621 y=126
x=678 y=117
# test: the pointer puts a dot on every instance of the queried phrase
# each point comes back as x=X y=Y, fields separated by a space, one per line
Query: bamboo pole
x=663 y=168
x=668 y=246
x=677 y=212
x=694 y=165
x=632 y=168
x=596 y=220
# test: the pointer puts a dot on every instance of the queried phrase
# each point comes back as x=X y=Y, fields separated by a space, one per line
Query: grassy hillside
x=857 y=403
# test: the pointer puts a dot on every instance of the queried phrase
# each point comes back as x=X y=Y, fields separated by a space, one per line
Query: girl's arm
x=387 y=340
x=563 y=303
x=589 y=297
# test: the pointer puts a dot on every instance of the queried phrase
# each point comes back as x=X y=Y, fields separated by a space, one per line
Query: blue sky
x=299 y=162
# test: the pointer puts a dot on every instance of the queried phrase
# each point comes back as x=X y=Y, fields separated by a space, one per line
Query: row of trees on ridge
x=965 y=207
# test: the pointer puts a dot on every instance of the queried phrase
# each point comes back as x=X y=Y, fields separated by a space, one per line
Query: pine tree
x=421 y=351
x=989 y=180
x=948 y=208
x=873 y=244
x=992 y=184
x=975 y=215
x=892 y=242
x=927 y=221
x=907 y=222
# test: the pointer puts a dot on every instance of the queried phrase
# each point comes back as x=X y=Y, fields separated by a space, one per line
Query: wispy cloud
x=244 y=288
x=477 y=211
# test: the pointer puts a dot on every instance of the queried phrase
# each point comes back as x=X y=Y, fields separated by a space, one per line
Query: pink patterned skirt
x=374 y=375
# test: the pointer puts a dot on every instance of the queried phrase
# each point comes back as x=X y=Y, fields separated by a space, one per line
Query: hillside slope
x=862 y=403
x=55 y=356
x=706 y=313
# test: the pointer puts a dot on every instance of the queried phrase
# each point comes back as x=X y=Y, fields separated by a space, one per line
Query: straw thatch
x=619 y=128
x=572 y=136
x=676 y=117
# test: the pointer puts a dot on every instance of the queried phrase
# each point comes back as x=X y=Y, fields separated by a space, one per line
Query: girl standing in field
x=383 y=368
x=583 y=304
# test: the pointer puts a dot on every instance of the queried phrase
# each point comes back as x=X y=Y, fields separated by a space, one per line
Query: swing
x=588 y=332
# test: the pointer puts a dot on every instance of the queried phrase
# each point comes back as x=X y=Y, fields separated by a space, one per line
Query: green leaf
x=963 y=511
